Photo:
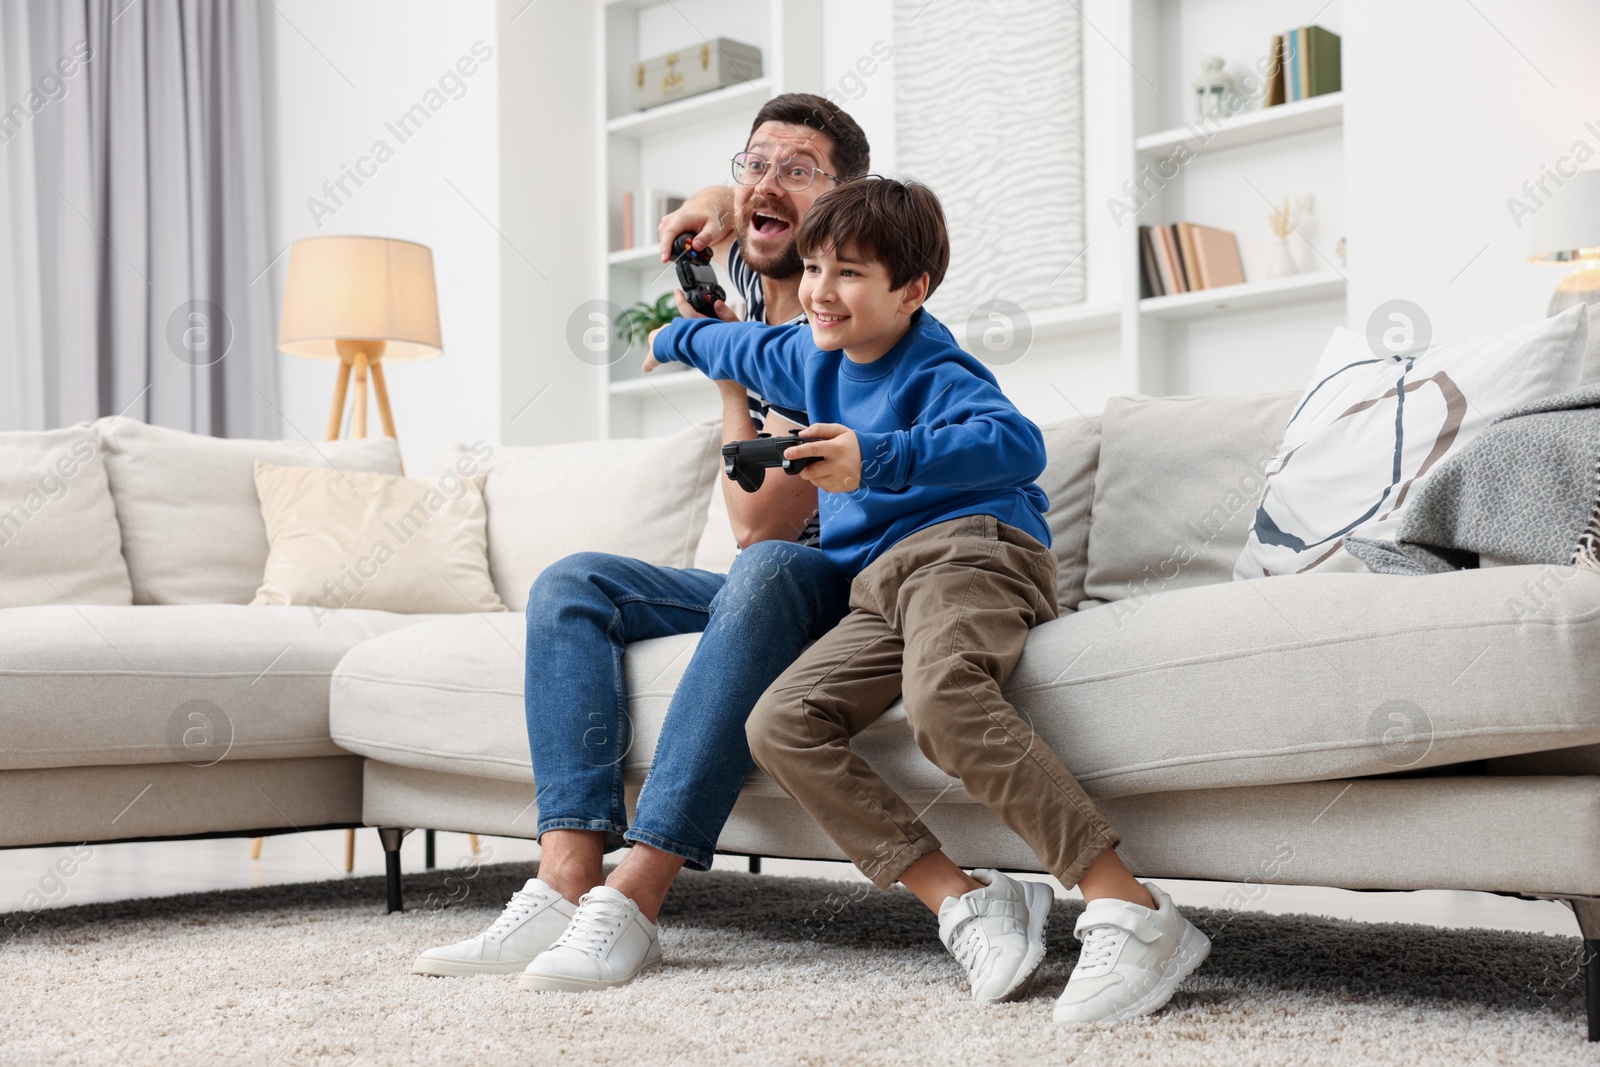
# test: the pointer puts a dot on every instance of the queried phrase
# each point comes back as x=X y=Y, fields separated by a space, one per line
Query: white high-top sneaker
x=530 y=924
x=1132 y=959
x=997 y=933
x=607 y=943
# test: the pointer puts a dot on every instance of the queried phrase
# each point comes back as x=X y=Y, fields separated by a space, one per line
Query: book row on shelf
x=1305 y=63
x=1185 y=257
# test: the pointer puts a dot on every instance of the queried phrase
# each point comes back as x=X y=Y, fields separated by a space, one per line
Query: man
x=565 y=929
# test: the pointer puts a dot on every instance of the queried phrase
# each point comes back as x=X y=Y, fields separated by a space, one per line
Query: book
x=1292 y=85
x=1171 y=266
x=1322 y=61
x=1150 y=272
x=643 y=211
x=1184 y=231
x=1274 y=95
x=1297 y=64
x=1216 y=257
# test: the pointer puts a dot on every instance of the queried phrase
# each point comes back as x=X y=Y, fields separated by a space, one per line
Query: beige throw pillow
x=356 y=539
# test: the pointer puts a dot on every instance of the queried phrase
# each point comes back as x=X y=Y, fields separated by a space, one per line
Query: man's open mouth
x=824 y=319
x=768 y=225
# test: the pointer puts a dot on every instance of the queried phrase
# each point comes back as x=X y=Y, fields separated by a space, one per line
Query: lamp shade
x=360 y=289
x=1570 y=223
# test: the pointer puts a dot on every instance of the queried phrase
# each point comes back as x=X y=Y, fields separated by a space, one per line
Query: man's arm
x=780 y=509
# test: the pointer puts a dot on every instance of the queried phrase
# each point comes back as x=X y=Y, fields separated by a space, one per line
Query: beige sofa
x=1348 y=730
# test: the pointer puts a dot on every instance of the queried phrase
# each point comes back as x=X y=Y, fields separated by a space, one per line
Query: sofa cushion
x=640 y=497
x=1175 y=489
x=59 y=539
x=191 y=523
x=1072 y=452
x=90 y=686
x=1234 y=684
x=356 y=539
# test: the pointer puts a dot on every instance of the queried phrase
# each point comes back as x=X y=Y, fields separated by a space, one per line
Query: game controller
x=696 y=276
x=746 y=462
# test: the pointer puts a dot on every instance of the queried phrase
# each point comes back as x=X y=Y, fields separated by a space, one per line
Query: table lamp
x=364 y=301
x=1567 y=230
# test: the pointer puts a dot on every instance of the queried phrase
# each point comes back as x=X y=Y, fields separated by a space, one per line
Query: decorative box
x=690 y=71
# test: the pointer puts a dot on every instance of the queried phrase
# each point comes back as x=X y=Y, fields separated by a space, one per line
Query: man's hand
x=686 y=309
x=839 y=469
x=708 y=215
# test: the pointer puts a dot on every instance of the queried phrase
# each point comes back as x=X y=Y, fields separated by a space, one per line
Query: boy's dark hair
x=850 y=155
x=898 y=224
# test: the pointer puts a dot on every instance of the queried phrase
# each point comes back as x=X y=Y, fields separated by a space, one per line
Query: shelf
x=742 y=99
x=1076 y=319
x=644 y=257
x=1264 y=125
x=1297 y=288
x=655 y=383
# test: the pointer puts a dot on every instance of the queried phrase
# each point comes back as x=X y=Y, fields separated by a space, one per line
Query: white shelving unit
x=682 y=147
x=1229 y=174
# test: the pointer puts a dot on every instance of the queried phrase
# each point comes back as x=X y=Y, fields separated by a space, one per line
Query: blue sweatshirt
x=939 y=440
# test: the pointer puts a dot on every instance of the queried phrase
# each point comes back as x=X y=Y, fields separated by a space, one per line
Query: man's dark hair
x=850 y=154
x=898 y=224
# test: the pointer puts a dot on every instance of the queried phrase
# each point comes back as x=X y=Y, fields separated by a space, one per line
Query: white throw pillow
x=639 y=497
x=59 y=540
x=382 y=542
x=1352 y=457
x=191 y=522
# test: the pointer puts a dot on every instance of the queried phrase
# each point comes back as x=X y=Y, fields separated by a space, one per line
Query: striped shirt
x=748 y=283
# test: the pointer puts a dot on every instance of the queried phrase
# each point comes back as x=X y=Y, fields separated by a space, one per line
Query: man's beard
x=782 y=264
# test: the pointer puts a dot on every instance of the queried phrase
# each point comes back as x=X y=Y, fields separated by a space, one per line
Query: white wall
x=335 y=74
x=1451 y=109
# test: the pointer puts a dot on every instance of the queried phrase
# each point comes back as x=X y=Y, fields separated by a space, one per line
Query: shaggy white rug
x=759 y=970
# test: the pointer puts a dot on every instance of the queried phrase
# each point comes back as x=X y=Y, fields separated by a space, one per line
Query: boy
x=929 y=500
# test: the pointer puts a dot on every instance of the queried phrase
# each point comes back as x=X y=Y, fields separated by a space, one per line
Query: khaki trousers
x=941 y=617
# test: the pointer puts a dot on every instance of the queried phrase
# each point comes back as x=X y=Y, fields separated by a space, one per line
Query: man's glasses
x=793 y=175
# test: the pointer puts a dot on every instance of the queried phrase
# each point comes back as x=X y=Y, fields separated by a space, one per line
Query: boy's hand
x=650 y=360
x=839 y=469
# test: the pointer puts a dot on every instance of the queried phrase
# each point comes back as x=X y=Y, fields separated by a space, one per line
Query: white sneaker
x=997 y=933
x=1132 y=959
x=530 y=924
x=606 y=944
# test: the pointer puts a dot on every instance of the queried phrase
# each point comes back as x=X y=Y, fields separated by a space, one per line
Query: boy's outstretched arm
x=768 y=359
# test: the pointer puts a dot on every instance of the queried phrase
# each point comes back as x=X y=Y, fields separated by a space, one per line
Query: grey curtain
x=151 y=213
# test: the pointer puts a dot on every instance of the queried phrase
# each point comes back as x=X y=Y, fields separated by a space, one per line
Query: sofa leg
x=428 y=850
x=391 y=836
x=1587 y=909
x=755 y=864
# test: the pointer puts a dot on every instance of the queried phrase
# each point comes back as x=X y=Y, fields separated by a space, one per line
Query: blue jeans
x=583 y=611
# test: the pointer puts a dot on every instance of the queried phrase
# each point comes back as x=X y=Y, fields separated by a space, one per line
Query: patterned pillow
x=1371 y=428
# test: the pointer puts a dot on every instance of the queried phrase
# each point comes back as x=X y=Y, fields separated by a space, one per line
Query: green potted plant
x=634 y=325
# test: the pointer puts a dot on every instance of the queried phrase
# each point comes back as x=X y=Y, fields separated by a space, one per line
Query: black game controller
x=747 y=461
x=696 y=277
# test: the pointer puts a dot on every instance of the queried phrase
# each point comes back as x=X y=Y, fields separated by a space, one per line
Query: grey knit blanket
x=1526 y=490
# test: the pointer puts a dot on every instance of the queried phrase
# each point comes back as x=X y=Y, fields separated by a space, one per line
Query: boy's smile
x=850 y=306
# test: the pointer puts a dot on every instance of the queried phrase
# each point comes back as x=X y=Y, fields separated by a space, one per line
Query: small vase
x=1282 y=263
